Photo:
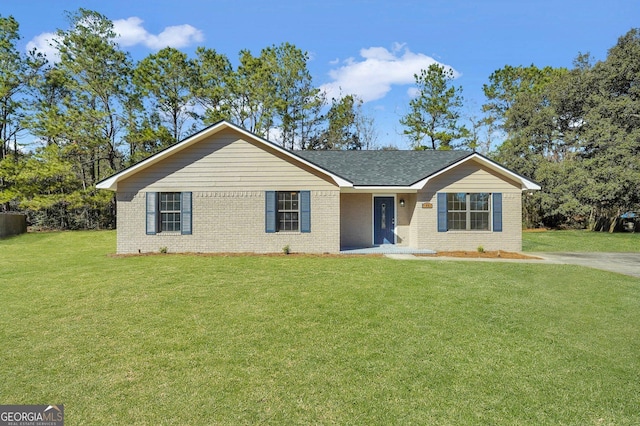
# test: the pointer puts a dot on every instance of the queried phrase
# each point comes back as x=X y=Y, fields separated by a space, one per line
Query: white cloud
x=380 y=69
x=43 y=44
x=131 y=32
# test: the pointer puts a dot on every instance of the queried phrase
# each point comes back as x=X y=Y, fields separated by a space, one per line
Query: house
x=225 y=189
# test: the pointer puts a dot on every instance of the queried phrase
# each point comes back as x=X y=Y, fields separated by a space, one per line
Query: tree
x=539 y=111
x=611 y=131
x=341 y=131
x=297 y=101
x=144 y=132
x=46 y=184
x=48 y=120
x=365 y=128
x=252 y=95
x=506 y=85
x=96 y=75
x=80 y=104
x=167 y=78
x=18 y=73
x=577 y=133
x=269 y=93
x=434 y=112
x=481 y=135
x=213 y=73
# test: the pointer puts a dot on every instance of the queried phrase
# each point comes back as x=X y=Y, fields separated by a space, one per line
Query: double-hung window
x=288 y=211
x=468 y=212
x=464 y=211
x=168 y=212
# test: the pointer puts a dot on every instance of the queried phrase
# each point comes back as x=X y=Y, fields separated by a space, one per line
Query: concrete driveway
x=622 y=263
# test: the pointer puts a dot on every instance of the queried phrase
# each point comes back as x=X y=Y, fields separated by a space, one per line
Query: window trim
x=176 y=197
x=280 y=212
x=468 y=212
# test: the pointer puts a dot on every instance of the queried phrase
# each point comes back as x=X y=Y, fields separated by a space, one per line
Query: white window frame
x=467 y=211
x=284 y=211
x=178 y=212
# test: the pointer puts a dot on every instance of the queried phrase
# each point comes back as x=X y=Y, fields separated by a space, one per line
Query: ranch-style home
x=225 y=189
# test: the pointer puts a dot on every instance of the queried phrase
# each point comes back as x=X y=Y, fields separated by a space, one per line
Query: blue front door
x=384 y=220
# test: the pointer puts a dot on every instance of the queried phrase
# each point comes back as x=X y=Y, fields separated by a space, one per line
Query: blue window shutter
x=305 y=211
x=497 y=212
x=185 y=207
x=270 y=205
x=152 y=206
x=442 y=212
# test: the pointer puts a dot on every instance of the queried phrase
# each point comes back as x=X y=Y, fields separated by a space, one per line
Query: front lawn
x=580 y=241
x=186 y=339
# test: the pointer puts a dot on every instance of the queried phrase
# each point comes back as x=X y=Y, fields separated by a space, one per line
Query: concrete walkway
x=622 y=263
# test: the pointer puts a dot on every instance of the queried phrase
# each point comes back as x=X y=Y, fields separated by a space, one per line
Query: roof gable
x=111 y=182
x=408 y=169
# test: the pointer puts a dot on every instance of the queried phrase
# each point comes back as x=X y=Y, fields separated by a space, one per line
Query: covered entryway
x=384 y=220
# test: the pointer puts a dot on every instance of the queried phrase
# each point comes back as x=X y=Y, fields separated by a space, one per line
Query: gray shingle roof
x=383 y=168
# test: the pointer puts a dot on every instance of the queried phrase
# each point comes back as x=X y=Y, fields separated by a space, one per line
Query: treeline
x=92 y=112
x=576 y=132
x=67 y=123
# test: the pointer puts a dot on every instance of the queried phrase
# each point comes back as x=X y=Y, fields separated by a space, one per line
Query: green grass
x=580 y=241
x=173 y=339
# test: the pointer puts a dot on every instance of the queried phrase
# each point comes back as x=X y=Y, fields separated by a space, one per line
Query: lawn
x=580 y=241
x=178 y=339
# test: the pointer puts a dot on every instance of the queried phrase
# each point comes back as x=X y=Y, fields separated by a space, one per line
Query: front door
x=384 y=220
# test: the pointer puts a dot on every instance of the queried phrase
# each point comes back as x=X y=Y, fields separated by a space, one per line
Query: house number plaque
x=427 y=205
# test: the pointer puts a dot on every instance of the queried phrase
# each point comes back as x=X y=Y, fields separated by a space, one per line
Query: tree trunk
x=616 y=225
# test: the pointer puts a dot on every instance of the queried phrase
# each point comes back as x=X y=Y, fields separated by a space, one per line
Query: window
x=462 y=211
x=468 y=212
x=168 y=212
x=288 y=211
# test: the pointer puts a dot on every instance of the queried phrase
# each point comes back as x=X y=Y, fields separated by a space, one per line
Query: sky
x=370 y=48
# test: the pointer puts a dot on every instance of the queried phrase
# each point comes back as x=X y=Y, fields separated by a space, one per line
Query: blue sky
x=368 y=47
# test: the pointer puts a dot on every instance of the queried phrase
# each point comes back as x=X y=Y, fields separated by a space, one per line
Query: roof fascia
x=111 y=183
x=382 y=188
x=525 y=183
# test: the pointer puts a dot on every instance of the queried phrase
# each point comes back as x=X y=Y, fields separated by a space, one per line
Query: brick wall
x=470 y=177
x=230 y=221
x=426 y=233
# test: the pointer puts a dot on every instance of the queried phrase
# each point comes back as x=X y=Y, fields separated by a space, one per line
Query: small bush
x=163 y=250
x=286 y=249
x=480 y=249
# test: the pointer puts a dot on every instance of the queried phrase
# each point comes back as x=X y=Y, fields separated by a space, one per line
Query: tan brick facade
x=425 y=228
x=230 y=221
x=356 y=211
x=417 y=224
x=468 y=178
